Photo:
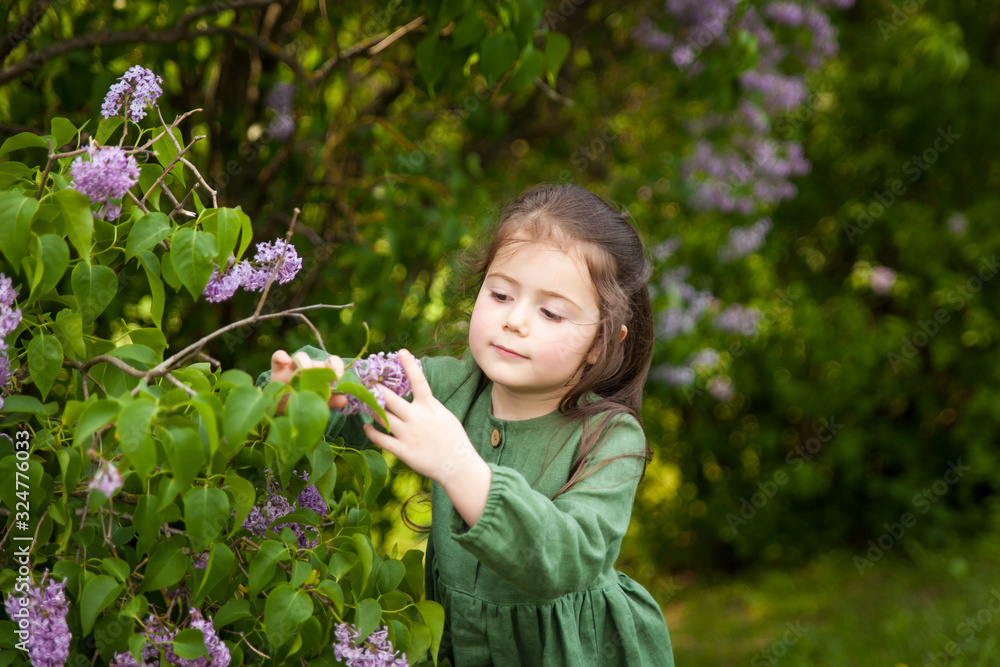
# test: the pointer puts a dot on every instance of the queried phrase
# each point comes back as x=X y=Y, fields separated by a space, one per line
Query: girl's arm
x=432 y=441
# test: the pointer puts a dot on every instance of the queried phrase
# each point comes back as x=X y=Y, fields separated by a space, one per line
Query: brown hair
x=620 y=270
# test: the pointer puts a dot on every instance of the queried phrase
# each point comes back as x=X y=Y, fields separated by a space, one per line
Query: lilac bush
x=41 y=613
x=275 y=505
x=160 y=636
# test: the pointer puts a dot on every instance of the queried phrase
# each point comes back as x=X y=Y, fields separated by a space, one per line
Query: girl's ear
x=595 y=352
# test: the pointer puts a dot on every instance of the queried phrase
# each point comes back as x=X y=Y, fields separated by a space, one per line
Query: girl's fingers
x=394 y=404
x=383 y=440
x=281 y=366
x=416 y=376
x=302 y=360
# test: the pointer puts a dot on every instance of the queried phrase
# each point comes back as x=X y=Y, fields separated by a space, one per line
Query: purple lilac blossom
x=311 y=498
x=275 y=506
x=738 y=320
x=44 y=608
x=139 y=88
x=279 y=100
x=721 y=388
x=10 y=318
x=744 y=241
x=107 y=480
x=377 y=371
x=218 y=653
x=675 y=376
x=200 y=560
x=253 y=276
x=690 y=307
x=375 y=651
x=958 y=224
x=105 y=178
x=881 y=279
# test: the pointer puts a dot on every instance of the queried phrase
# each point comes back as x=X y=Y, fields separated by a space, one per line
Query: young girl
x=534 y=445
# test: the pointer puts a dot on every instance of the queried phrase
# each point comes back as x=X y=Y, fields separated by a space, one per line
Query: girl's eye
x=549 y=315
x=502 y=298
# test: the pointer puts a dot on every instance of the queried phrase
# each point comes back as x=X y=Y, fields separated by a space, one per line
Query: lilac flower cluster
x=253 y=276
x=756 y=171
x=41 y=616
x=279 y=100
x=881 y=279
x=107 y=480
x=375 y=651
x=105 y=178
x=689 y=305
x=744 y=241
x=738 y=320
x=377 y=371
x=276 y=505
x=10 y=318
x=135 y=91
x=161 y=636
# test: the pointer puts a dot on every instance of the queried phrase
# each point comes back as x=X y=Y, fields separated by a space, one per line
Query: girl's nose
x=516 y=321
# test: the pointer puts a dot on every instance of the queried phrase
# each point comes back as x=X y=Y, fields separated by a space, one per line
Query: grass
x=903 y=612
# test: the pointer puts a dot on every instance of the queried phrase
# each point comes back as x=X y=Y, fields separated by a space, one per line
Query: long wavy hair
x=576 y=218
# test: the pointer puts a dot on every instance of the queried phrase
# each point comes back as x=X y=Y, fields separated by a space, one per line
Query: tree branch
x=24 y=27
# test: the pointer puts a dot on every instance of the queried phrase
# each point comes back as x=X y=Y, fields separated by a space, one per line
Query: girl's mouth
x=508 y=354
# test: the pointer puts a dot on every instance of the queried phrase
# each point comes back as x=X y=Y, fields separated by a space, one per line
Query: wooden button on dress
x=495 y=438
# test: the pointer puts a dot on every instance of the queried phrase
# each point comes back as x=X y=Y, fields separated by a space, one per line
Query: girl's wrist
x=468 y=487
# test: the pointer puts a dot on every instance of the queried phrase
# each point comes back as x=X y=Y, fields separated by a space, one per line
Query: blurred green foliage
x=400 y=157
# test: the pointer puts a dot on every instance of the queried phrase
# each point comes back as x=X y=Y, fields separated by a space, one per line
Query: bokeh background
x=817 y=184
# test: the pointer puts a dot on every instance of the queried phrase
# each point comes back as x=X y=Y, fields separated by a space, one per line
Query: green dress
x=533 y=582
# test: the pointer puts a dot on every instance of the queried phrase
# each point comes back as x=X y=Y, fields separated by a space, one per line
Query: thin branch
x=314 y=330
x=24 y=27
x=167 y=169
x=175 y=381
x=281 y=260
x=399 y=32
x=382 y=39
x=201 y=179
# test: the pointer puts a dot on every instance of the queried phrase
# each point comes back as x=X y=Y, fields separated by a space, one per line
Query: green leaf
x=55 y=258
x=95 y=416
x=307 y=415
x=16 y=211
x=133 y=434
x=244 y=497
x=151 y=338
x=106 y=128
x=413 y=580
x=379 y=472
x=351 y=385
x=136 y=607
x=166 y=566
x=225 y=224
x=166 y=151
x=45 y=358
x=220 y=563
x=147 y=231
x=529 y=16
x=263 y=564
x=285 y=610
x=62 y=131
x=243 y=410
x=190 y=643
x=168 y=271
x=232 y=611
x=206 y=515
x=148 y=175
x=432 y=58
x=99 y=592
x=186 y=455
x=95 y=287
x=151 y=266
x=132 y=352
x=557 y=47
x=530 y=66
x=69 y=330
x=469 y=30
x=71 y=465
x=497 y=55
x=191 y=252
x=74 y=207
x=147 y=521
x=22 y=140
x=433 y=616
x=117 y=568
x=367 y=616
x=209 y=408
x=332 y=591
x=19 y=403
x=324 y=470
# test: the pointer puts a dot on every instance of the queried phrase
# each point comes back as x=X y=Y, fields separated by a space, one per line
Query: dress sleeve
x=553 y=547
x=350 y=427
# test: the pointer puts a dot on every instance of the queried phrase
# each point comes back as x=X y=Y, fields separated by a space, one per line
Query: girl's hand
x=283 y=366
x=424 y=434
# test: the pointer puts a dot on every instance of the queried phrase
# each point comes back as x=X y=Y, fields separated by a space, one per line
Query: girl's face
x=534 y=322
